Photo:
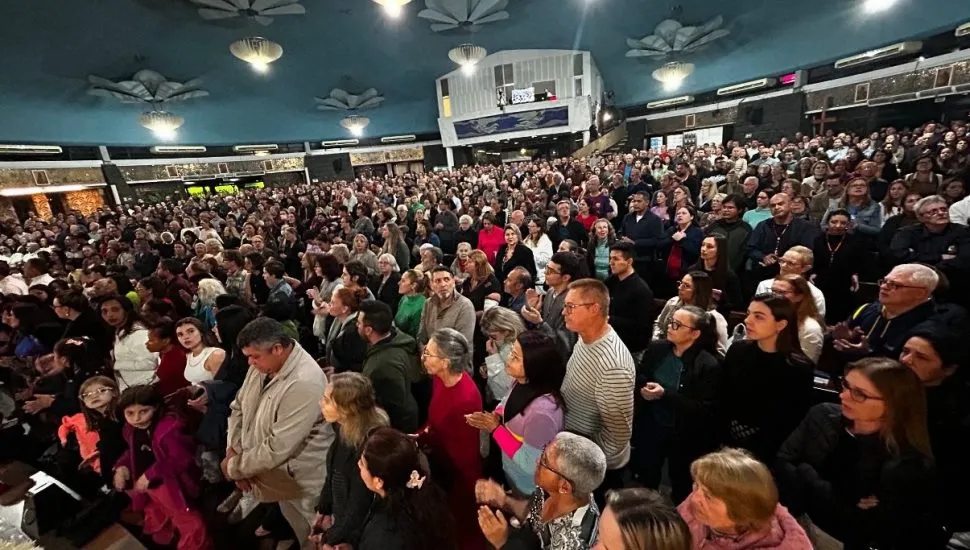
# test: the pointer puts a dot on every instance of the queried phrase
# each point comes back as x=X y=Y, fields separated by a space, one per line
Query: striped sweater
x=598 y=390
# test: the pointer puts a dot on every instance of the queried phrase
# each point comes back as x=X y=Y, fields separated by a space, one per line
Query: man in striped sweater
x=600 y=375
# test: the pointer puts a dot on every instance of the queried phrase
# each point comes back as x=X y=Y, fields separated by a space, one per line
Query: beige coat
x=278 y=433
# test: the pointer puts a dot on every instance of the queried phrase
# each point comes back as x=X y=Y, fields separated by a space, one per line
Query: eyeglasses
x=96 y=392
x=935 y=211
x=893 y=285
x=687 y=286
x=426 y=353
x=856 y=394
x=544 y=462
x=785 y=261
x=568 y=308
x=677 y=325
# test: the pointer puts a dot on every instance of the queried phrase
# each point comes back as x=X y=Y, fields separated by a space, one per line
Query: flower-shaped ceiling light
x=672 y=74
x=355 y=123
x=150 y=87
x=467 y=56
x=259 y=52
x=340 y=100
x=670 y=38
x=261 y=11
x=468 y=15
x=146 y=86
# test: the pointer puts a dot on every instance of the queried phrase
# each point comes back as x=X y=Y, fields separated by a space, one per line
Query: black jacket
x=646 y=234
x=389 y=293
x=770 y=238
x=469 y=236
x=522 y=256
x=824 y=471
x=344 y=493
x=573 y=230
x=380 y=532
x=916 y=243
x=692 y=403
x=631 y=310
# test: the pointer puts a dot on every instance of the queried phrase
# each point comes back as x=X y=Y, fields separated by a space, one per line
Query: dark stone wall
x=434 y=155
x=329 y=167
x=769 y=119
x=635 y=132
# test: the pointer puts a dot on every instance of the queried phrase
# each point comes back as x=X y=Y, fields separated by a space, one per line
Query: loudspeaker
x=48 y=504
x=755 y=115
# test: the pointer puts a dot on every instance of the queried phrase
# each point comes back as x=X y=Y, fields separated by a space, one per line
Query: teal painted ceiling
x=50 y=47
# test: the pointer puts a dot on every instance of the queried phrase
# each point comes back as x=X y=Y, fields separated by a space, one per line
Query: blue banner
x=512 y=122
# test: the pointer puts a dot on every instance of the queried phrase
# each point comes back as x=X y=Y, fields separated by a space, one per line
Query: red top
x=171 y=371
x=587 y=221
x=490 y=241
x=454 y=448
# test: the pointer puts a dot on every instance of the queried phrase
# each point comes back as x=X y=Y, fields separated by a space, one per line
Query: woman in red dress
x=452 y=445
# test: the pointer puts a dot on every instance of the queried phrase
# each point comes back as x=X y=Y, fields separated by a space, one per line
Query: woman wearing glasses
x=695 y=289
x=531 y=413
x=453 y=445
x=862 y=469
x=767 y=380
x=810 y=333
x=676 y=385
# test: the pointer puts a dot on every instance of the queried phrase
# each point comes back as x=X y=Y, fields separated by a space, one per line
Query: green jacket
x=392 y=365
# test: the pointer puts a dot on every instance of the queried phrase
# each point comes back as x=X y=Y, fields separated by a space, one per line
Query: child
x=99 y=402
x=158 y=470
x=170 y=375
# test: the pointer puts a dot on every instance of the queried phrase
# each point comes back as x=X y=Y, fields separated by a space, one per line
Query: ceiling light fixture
x=355 y=124
x=672 y=74
x=162 y=123
x=467 y=56
x=876 y=6
x=393 y=8
x=259 y=52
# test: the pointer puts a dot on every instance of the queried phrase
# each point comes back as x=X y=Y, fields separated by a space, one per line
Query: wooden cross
x=822 y=119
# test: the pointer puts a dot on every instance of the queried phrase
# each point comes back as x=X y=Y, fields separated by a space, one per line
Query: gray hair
x=505 y=320
x=437 y=253
x=466 y=218
x=389 y=258
x=264 y=333
x=454 y=347
x=341 y=253
x=919 y=274
x=580 y=461
x=926 y=201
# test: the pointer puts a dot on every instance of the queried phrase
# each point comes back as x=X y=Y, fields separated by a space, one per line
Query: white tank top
x=195 y=366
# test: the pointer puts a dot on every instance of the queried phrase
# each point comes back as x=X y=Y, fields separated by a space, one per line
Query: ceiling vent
x=40 y=177
x=265 y=148
x=399 y=139
x=879 y=53
x=746 y=86
x=176 y=149
x=672 y=102
x=340 y=143
x=963 y=30
x=30 y=149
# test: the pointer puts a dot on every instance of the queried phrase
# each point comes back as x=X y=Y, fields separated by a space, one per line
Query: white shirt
x=13 y=284
x=811 y=337
x=960 y=211
x=44 y=279
x=765 y=286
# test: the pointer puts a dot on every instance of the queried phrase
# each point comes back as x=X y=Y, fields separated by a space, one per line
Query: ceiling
x=51 y=47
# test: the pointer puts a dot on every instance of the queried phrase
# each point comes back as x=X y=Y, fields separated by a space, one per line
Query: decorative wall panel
x=86 y=202
x=42 y=207
x=702 y=120
x=15 y=177
x=926 y=79
x=198 y=170
x=383 y=157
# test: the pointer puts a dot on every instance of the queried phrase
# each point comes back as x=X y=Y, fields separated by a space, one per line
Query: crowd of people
x=731 y=346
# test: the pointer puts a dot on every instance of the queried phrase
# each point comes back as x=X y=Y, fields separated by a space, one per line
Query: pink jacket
x=783 y=533
x=87 y=440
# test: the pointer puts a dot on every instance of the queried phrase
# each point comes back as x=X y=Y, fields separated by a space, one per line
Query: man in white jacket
x=278 y=440
x=960 y=211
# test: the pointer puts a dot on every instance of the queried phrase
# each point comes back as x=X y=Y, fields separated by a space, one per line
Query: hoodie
x=392 y=365
x=781 y=533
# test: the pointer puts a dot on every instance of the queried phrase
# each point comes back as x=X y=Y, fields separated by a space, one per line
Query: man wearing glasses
x=882 y=327
x=937 y=242
x=797 y=260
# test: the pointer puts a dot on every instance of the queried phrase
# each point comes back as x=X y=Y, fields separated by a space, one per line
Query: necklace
x=832 y=251
x=778 y=236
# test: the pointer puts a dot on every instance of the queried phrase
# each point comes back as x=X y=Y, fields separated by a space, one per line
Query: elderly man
x=446 y=308
x=773 y=237
x=937 y=242
x=278 y=440
x=570 y=468
x=798 y=260
x=598 y=387
x=882 y=327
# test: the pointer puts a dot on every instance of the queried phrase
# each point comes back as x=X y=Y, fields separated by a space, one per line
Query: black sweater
x=824 y=471
x=631 y=310
x=763 y=397
x=344 y=494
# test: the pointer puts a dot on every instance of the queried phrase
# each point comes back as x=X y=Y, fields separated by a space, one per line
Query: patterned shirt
x=565 y=532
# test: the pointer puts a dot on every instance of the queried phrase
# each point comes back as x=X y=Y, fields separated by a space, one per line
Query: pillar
x=450 y=155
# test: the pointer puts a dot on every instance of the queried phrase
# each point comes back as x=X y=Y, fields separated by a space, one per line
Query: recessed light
x=876 y=6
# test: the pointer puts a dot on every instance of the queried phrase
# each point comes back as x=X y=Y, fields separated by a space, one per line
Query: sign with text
x=525 y=95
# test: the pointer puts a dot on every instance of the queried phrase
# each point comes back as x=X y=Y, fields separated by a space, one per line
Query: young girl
x=99 y=403
x=170 y=376
x=158 y=470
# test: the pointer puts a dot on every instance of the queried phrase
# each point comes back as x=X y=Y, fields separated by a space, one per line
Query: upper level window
x=504 y=80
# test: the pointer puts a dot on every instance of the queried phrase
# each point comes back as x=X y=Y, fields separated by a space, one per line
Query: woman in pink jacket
x=734 y=506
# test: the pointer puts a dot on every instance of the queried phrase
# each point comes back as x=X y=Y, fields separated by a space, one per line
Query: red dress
x=454 y=453
x=490 y=241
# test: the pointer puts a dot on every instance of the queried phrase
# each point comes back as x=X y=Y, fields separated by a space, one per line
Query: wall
x=330 y=167
x=434 y=155
x=779 y=116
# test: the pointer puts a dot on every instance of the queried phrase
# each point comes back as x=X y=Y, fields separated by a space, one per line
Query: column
x=450 y=155
x=585 y=138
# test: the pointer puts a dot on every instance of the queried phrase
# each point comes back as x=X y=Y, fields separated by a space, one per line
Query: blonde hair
x=209 y=289
x=482 y=268
x=745 y=486
x=353 y=394
x=807 y=307
x=595 y=291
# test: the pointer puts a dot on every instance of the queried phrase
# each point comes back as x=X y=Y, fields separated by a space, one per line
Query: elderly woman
x=570 y=469
x=466 y=231
x=385 y=285
x=361 y=252
x=501 y=327
x=461 y=260
x=734 y=506
x=453 y=445
x=431 y=257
